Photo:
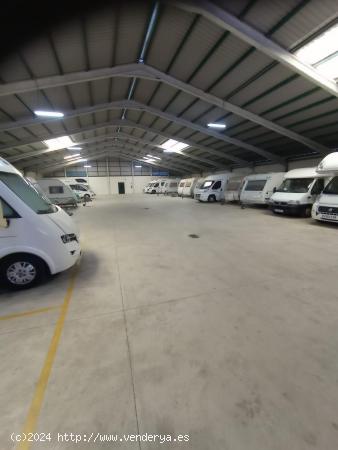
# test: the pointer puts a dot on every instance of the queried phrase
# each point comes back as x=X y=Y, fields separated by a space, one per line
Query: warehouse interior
x=180 y=324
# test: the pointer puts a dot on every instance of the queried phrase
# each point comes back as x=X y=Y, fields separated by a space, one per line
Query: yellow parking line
x=40 y=389
x=29 y=313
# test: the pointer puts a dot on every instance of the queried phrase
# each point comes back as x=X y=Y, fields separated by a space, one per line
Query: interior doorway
x=121 y=188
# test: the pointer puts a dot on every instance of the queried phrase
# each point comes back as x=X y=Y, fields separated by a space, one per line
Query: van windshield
x=27 y=193
x=207 y=184
x=255 y=185
x=295 y=185
x=332 y=187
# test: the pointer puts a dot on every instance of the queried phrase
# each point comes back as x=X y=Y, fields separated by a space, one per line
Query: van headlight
x=293 y=202
x=66 y=238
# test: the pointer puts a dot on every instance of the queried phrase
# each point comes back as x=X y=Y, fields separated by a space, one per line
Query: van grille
x=280 y=203
x=197 y=195
x=328 y=209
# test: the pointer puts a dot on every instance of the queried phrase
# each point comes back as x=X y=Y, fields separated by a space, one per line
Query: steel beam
x=166 y=159
x=131 y=104
x=105 y=137
x=107 y=151
x=245 y=32
x=121 y=123
x=151 y=73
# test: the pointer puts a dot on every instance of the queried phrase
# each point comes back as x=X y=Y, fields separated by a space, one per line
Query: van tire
x=86 y=198
x=211 y=198
x=36 y=270
x=307 y=211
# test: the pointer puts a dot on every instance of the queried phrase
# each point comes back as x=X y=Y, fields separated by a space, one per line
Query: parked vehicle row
x=66 y=194
x=162 y=186
x=305 y=192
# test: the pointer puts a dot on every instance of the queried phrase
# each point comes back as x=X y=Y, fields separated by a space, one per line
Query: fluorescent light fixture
x=72 y=156
x=322 y=52
x=217 y=125
x=41 y=113
x=74 y=148
x=172 y=146
x=154 y=157
x=138 y=166
x=58 y=143
x=87 y=166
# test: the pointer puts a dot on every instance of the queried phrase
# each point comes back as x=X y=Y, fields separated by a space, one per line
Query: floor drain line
x=194 y=236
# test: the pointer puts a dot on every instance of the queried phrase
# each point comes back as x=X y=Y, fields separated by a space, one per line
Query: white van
x=233 y=189
x=212 y=189
x=58 y=192
x=36 y=237
x=171 y=186
x=82 y=191
x=257 y=189
x=160 y=188
x=148 y=187
x=154 y=187
x=297 y=193
x=198 y=184
x=325 y=207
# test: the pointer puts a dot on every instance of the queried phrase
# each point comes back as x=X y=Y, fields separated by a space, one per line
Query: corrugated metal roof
x=192 y=49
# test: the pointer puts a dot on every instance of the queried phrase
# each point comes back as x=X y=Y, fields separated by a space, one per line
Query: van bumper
x=325 y=213
x=292 y=210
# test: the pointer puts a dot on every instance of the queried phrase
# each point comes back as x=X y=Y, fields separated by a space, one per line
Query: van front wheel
x=22 y=271
x=211 y=198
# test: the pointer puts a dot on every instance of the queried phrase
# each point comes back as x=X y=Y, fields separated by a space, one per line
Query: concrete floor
x=230 y=338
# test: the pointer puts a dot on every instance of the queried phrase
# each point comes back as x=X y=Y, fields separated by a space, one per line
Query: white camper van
x=189 y=186
x=82 y=191
x=257 y=189
x=36 y=237
x=58 y=192
x=198 y=184
x=171 y=186
x=233 y=189
x=154 y=187
x=181 y=187
x=212 y=188
x=297 y=193
x=160 y=188
x=326 y=206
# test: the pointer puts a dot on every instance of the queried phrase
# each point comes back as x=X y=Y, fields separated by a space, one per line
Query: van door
x=217 y=189
x=15 y=228
x=316 y=189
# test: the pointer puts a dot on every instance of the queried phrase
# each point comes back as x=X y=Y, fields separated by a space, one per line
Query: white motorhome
x=297 y=193
x=325 y=207
x=212 y=188
x=160 y=188
x=233 y=189
x=82 y=191
x=58 y=192
x=257 y=189
x=181 y=187
x=36 y=237
x=171 y=186
x=154 y=187
x=189 y=187
x=198 y=184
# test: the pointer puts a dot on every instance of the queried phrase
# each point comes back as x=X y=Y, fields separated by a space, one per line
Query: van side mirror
x=274 y=189
x=4 y=223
